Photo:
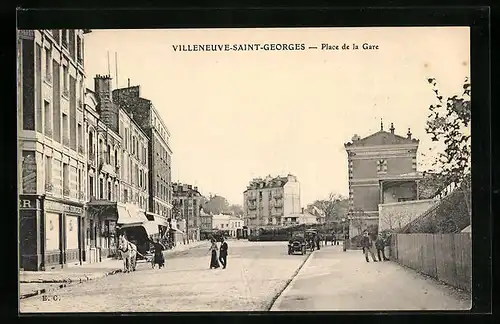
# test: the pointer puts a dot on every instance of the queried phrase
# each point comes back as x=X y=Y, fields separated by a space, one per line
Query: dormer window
x=382 y=166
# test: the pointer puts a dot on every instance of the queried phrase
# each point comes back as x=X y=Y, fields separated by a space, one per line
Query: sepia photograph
x=244 y=169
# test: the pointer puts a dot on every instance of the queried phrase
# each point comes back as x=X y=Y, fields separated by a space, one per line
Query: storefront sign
x=29 y=172
x=56 y=206
x=26 y=34
x=27 y=203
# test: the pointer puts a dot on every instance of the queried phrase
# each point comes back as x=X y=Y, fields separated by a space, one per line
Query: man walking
x=380 y=245
x=223 y=253
x=366 y=244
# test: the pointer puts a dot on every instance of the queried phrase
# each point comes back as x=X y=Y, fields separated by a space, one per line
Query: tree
x=176 y=209
x=236 y=209
x=449 y=122
x=216 y=205
x=334 y=207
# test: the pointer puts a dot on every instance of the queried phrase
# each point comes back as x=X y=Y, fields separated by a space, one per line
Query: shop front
x=50 y=232
x=107 y=220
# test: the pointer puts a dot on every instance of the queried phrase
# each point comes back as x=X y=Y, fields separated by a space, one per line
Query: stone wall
x=396 y=215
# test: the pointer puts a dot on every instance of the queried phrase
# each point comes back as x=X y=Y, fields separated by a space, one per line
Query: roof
x=382 y=138
x=268 y=182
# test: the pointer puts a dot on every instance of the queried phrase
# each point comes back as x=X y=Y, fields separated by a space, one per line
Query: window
x=56 y=35
x=48 y=118
x=48 y=171
x=109 y=191
x=116 y=158
x=65 y=37
x=101 y=188
x=48 y=65
x=79 y=184
x=80 y=138
x=79 y=49
x=72 y=44
x=382 y=166
x=65 y=179
x=108 y=154
x=65 y=80
x=125 y=195
x=260 y=194
x=65 y=129
x=91 y=186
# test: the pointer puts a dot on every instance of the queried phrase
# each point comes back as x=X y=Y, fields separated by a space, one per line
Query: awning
x=177 y=230
x=128 y=218
x=160 y=220
x=151 y=228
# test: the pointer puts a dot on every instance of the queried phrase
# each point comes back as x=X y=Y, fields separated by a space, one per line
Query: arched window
x=91 y=142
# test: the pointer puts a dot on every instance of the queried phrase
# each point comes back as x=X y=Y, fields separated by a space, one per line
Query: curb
x=64 y=283
x=289 y=281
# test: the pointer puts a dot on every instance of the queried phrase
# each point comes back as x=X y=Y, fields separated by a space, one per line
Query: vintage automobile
x=297 y=243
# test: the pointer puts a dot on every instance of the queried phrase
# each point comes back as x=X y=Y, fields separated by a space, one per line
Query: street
x=256 y=273
x=258 y=278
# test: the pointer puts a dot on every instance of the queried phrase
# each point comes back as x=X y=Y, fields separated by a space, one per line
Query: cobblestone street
x=256 y=273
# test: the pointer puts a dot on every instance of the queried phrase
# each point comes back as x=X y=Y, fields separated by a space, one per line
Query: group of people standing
x=214 y=260
x=370 y=244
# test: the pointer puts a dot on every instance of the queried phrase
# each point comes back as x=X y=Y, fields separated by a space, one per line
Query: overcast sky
x=234 y=116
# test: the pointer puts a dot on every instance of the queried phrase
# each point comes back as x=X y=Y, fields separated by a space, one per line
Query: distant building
x=318 y=213
x=188 y=201
x=231 y=224
x=206 y=223
x=267 y=201
x=382 y=169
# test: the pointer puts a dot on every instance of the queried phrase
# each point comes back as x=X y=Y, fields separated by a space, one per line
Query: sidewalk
x=332 y=280
x=34 y=283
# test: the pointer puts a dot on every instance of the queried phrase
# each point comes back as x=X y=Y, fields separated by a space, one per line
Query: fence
x=445 y=257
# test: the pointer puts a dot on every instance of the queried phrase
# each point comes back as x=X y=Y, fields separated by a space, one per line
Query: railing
x=49 y=187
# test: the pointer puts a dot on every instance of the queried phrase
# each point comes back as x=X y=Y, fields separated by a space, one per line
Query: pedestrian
x=380 y=245
x=316 y=239
x=214 y=263
x=158 y=257
x=334 y=239
x=223 y=253
x=366 y=244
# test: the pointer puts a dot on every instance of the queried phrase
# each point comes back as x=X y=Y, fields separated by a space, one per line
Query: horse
x=128 y=252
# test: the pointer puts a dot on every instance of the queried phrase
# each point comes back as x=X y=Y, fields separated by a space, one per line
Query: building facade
x=159 y=150
x=382 y=169
x=188 y=204
x=52 y=156
x=268 y=201
x=230 y=224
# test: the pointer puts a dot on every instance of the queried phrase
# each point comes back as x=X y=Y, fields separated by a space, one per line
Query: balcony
x=66 y=192
x=81 y=149
x=49 y=187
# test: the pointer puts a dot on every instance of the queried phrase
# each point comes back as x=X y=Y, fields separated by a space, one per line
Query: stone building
x=159 y=151
x=52 y=156
x=118 y=171
x=382 y=169
x=188 y=202
x=268 y=201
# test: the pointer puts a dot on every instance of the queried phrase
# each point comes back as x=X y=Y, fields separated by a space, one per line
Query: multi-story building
x=52 y=158
x=118 y=169
x=188 y=201
x=267 y=201
x=382 y=169
x=230 y=224
x=159 y=150
x=206 y=222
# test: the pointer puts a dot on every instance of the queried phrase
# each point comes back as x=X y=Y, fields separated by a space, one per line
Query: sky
x=234 y=116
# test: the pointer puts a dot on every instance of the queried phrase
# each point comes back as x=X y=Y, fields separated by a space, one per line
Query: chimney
x=128 y=83
x=392 y=128
x=102 y=86
x=408 y=134
x=107 y=110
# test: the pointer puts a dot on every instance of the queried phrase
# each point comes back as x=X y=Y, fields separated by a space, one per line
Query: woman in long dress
x=214 y=262
x=159 y=259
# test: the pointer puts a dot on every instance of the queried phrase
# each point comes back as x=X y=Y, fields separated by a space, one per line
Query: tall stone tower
x=108 y=111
